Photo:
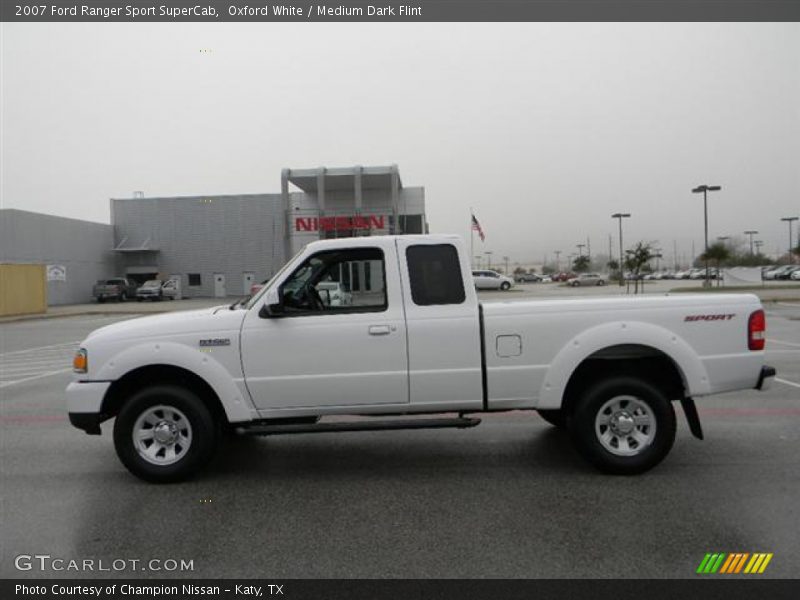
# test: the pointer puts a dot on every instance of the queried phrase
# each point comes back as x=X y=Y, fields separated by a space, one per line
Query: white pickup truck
x=413 y=340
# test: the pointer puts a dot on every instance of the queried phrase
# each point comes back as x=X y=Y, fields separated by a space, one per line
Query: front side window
x=337 y=281
x=434 y=273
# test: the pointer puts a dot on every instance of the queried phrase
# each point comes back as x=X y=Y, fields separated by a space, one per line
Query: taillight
x=757 y=331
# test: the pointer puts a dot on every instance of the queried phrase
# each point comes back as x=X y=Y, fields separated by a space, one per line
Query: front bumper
x=85 y=403
x=765 y=378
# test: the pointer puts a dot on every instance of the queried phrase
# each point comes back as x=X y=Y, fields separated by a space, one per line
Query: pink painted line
x=33 y=419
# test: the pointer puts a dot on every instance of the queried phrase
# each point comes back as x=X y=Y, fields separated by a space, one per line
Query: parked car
x=170 y=289
x=256 y=287
x=563 y=276
x=150 y=290
x=795 y=276
x=333 y=293
x=782 y=272
x=119 y=288
x=609 y=369
x=491 y=280
x=156 y=289
x=789 y=273
x=527 y=278
x=586 y=279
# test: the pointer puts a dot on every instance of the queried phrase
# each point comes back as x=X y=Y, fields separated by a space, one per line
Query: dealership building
x=216 y=245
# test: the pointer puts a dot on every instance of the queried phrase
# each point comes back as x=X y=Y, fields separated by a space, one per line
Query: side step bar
x=368 y=425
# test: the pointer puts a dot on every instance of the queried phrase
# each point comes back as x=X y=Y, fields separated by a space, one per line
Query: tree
x=581 y=264
x=519 y=271
x=636 y=259
x=717 y=253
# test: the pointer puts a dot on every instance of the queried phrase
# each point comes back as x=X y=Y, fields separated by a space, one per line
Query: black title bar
x=407 y=589
x=393 y=11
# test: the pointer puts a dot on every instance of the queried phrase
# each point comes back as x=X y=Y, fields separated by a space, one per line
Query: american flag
x=477 y=227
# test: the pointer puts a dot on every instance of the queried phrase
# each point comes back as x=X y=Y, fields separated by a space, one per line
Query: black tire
x=101 y=300
x=601 y=282
x=505 y=286
x=576 y=284
x=139 y=298
x=123 y=297
x=198 y=451
x=644 y=455
x=555 y=416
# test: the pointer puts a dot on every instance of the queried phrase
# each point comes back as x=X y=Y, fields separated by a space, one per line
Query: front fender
x=235 y=402
x=592 y=340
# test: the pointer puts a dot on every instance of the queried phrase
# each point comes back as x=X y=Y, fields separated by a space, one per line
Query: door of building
x=219 y=285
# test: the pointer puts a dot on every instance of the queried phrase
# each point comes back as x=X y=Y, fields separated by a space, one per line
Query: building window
x=435 y=275
x=194 y=279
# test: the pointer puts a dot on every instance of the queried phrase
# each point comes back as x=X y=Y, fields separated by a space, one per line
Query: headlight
x=80 y=364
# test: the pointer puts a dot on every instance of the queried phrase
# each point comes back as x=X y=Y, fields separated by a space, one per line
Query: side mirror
x=273 y=306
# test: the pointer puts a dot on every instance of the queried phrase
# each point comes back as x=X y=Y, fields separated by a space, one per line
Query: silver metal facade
x=83 y=248
x=232 y=236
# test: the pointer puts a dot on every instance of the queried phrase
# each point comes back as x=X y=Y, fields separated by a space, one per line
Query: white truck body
x=402 y=358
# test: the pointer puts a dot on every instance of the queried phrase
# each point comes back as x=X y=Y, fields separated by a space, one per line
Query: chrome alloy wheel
x=625 y=426
x=162 y=435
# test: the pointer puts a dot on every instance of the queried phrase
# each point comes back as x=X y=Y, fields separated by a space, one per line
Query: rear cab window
x=435 y=275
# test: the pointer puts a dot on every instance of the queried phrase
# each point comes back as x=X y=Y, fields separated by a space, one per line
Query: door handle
x=379 y=330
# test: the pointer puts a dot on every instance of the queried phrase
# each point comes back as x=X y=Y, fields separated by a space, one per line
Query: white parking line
x=785 y=382
x=61 y=345
x=39 y=376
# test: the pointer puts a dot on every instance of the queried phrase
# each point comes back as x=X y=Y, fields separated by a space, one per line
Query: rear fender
x=603 y=336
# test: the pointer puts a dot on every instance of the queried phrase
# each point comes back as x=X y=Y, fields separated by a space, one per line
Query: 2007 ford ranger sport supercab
x=412 y=340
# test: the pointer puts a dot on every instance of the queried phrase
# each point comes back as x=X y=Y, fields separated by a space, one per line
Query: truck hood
x=206 y=320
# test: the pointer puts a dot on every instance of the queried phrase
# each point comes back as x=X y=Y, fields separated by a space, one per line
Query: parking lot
x=509 y=498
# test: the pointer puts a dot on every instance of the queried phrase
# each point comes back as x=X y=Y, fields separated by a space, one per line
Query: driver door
x=313 y=354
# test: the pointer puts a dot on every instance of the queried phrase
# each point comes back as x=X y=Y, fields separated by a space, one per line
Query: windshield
x=254 y=299
x=152 y=283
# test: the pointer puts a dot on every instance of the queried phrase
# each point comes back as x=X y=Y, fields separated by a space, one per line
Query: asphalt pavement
x=509 y=498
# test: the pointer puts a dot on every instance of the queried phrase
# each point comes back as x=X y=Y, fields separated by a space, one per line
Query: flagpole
x=471 y=239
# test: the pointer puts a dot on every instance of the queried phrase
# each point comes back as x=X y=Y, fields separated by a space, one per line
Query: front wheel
x=123 y=297
x=601 y=282
x=164 y=434
x=505 y=286
x=623 y=425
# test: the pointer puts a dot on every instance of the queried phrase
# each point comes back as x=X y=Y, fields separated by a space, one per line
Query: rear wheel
x=123 y=297
x=164 y=433
x=601 y=282
x=623 y=425
x=505 y=286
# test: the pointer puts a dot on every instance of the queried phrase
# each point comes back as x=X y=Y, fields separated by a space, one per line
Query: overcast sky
x=544 y=129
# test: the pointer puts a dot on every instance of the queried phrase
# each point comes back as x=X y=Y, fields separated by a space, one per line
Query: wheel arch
x=639 y=348
x=160 y=374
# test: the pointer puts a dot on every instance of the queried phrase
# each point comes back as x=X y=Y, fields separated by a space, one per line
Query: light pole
x=705 y=189
x=790 y=220
x=478 y=262
x=620 y=216
x=758 y=244
x=580 y=248
x=505 y=259
x=558 y=262
x=488 y=254
x=751 y=233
